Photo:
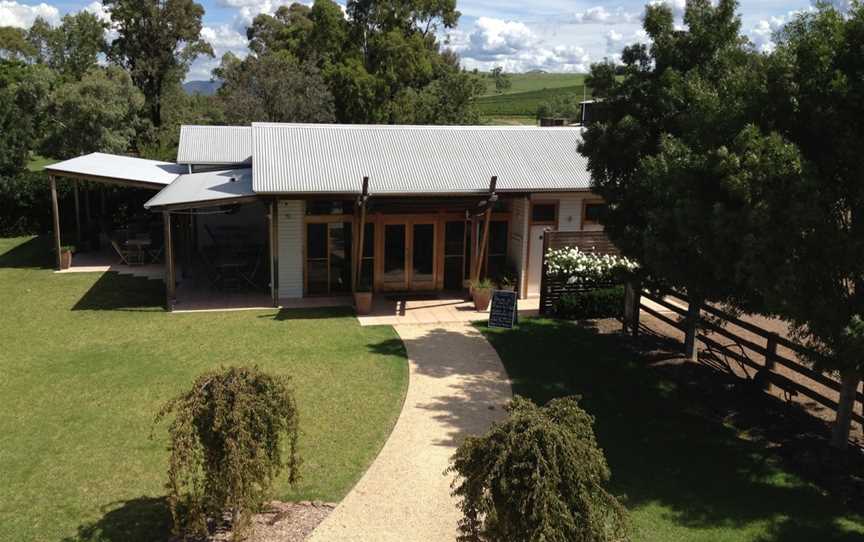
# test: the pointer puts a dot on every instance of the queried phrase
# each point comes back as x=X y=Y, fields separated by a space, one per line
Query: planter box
x=481 y=299
x=363 y=303
x=65 y=259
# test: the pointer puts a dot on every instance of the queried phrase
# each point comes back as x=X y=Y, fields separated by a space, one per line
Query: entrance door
x=394 y=275
x=535 y=258
x=408 y=259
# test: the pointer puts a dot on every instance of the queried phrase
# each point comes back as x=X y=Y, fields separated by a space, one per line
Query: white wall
x=290 y=230
x=570 y=209
x=517 y=244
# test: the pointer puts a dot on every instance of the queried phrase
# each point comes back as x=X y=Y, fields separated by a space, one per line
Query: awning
x=205 y=189
x=118 y=169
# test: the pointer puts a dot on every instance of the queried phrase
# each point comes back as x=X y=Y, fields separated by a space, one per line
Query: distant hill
x=527 y=92
x=536 y=80
x=205 y=88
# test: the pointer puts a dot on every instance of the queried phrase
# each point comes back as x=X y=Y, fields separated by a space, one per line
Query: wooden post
x=87 y=214
x=632 y=304
x=361 y=233
x=170 y=279
x=55 y=213
x=770 y=360
x=481 y=252
x=274 y=251
x=77 y=213
x=691 y=347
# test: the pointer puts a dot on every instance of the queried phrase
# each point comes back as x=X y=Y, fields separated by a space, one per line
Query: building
x=286 y=207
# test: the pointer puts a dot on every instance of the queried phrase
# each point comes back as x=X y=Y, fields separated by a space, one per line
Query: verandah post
x=362 y=229
x=78 y=234
x=481 y=252
x=694 y=307
x=55 y=213
x=170 y=280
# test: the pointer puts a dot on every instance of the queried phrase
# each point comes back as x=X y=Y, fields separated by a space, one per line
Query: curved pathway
x=457 y=387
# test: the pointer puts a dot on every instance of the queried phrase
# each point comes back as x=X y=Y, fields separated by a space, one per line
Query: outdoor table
x=138 y=250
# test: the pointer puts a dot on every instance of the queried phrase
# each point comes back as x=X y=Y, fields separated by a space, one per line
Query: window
x=329 y=207
x=544 y=212
x=328 y=258
x=497 y=258
x=593 y=212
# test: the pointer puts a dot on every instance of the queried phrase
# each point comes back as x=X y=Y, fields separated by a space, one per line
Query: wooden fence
x=743 y=348
x=553 y=288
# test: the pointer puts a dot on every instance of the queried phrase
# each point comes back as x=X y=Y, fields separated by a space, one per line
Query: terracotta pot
x=65 y=259
x=481 y=298
x=363 y=302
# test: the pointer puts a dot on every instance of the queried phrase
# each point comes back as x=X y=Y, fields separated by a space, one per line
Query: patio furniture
x=138 y=250
x=123 y=254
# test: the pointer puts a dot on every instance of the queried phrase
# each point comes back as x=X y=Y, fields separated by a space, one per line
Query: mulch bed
x=282 y=522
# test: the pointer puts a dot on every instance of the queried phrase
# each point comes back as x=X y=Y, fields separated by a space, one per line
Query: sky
x=518 y=35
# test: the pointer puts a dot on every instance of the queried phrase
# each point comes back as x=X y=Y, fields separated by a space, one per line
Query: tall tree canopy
x=73 y=47
x=669 y=156
x=273 y=88
x=24 y=91
x=157 y=41
x=14 y=44
x=808 y=259
x=383 y=63
x=100 y=112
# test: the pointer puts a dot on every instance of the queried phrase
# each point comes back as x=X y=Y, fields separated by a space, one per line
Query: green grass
x=38 y=163
x=523 y=103
x=512 y=120
x=526 y=82
x=87 y=360
x=686 y=477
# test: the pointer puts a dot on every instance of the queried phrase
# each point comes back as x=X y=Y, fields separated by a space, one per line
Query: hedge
x=599 y=303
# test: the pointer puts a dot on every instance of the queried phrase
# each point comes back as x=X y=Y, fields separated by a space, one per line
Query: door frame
x=551 y=224
x=409 y=221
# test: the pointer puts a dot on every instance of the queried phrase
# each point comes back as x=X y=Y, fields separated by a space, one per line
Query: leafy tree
x=101 y=112
x=23 y=93
x=379 y=64
x=227 y=439
x=273 y=87
x=77 y=44
x=502 y=80
x=808 y=260
x=564 y=106
x=14 y=44
x=157 y=41
x=668 y=156
x=538 y=475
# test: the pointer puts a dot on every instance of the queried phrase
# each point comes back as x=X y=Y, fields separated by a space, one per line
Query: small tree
x=226 y=446
x=502 y=80
x=538 y=475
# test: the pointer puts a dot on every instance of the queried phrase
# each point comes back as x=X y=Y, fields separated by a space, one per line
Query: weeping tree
x=538 y=475
x=668 y=154
x=227 y=437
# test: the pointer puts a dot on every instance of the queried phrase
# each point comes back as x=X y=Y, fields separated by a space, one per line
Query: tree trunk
x=691 y=349
x=843 y=421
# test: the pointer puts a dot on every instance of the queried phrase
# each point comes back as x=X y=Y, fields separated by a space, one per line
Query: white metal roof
x=215 y=145
x=121 y=168
x=330 y=158
x=207 y=187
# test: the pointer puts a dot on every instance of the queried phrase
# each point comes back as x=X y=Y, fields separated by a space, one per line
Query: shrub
x=599 y=303
x=538 y=475
x=580 y=267
x=226 y=447
x=25 y=204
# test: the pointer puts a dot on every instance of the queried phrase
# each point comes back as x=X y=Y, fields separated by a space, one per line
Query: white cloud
x=515 y=47
x=223 y=38
x=762 y=33
x=601 y=15
x=22 y=16
x=616 y=41
x=248 y=9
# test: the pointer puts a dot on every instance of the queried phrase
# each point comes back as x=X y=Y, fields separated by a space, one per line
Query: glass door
x=422 y=256
x=395 y=246
x=454 y=254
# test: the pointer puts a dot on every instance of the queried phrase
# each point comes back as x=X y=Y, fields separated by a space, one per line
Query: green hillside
x=526 y=82
x=523 y=103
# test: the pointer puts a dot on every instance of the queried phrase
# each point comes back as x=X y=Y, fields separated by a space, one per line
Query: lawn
x=87 y=360
x=686 y=475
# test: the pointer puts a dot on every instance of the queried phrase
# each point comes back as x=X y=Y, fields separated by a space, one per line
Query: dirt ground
x=283 y=522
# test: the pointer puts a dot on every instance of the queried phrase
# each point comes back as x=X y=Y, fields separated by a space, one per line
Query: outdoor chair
x=123 y=254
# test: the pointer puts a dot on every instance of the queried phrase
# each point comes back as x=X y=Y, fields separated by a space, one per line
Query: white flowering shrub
x=587 y=267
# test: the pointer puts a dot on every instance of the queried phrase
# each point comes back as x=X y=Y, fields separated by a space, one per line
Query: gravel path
x=457 y=387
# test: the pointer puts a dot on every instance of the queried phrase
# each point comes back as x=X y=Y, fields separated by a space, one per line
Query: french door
x=408 y=249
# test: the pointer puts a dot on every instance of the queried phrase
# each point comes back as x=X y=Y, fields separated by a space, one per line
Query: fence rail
x=554 y=288
x=769 y=354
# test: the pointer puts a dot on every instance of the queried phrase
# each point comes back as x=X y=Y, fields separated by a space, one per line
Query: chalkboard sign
x=503 y=308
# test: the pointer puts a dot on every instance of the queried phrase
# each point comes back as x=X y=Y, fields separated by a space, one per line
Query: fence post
x=770 y=360
x=632 y=303
x=543 y=294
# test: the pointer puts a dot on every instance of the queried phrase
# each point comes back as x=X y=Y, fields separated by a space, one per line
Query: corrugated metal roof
x=206 y=187
x=122 y=168
x=215 y=145
x=329 y=158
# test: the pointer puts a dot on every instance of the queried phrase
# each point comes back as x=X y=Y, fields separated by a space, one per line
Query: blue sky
x=554 y=35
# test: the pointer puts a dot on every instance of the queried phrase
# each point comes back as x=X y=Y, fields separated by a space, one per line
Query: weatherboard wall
x=290 y=232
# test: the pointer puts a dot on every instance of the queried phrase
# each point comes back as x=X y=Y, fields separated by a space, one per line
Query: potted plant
x=363 y=298
x=66 y=256
x=481 y=292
